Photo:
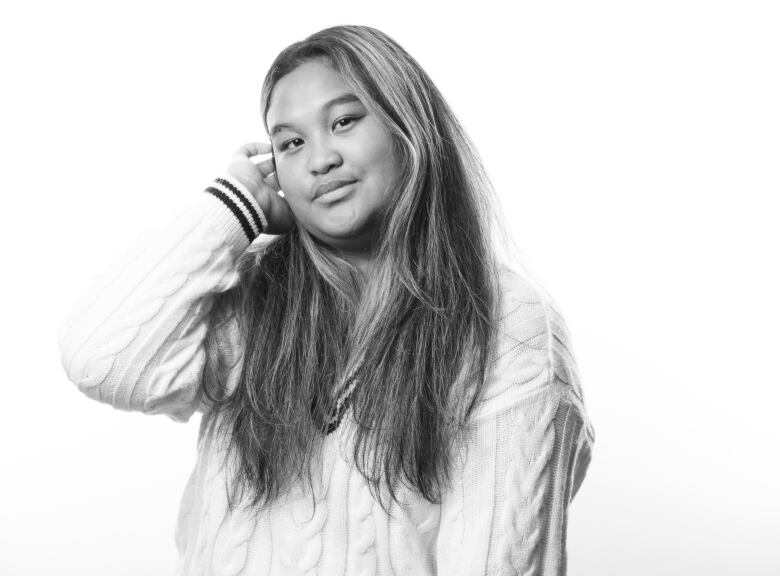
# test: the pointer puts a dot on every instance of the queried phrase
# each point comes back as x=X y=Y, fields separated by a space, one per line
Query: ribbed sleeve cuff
x=241 y=204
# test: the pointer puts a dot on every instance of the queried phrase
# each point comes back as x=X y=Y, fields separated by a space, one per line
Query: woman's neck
x=363 y=261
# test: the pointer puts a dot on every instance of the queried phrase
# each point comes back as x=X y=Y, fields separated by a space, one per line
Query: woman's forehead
x=310 y=88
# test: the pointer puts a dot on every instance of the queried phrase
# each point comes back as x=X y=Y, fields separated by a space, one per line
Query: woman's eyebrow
x=343 y=99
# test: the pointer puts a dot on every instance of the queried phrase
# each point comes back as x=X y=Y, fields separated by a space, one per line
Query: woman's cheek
x=283 y=178
x=287 y=175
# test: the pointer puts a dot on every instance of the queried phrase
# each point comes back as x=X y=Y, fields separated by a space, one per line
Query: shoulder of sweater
x=533 y=353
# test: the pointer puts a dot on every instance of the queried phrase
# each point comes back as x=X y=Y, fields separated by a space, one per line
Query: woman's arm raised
x=135 y=339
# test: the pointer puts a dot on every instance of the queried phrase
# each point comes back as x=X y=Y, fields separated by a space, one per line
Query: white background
x=636 y=149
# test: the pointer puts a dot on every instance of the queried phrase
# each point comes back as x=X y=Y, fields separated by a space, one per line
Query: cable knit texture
x=135 y=341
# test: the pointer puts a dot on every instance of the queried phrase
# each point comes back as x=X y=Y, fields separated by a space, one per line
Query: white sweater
x=135 y=340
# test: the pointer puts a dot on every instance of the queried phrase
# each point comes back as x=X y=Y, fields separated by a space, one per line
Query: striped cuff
x=241 y=203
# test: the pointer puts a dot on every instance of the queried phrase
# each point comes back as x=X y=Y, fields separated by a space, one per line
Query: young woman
x=379 y=395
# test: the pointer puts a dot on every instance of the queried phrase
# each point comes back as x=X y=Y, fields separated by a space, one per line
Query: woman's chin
x=350 y=235
x=342 y=225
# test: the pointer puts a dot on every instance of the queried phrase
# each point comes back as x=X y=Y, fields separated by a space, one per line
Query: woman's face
x=334 y=160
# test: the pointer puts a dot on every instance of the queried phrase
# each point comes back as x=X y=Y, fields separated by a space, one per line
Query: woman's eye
x=346 y=121
x=286 y=145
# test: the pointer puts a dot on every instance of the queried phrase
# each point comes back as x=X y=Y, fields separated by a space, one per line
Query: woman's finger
x=252 y=149
x=280 y=217
x=272 y=182
x=266 y=167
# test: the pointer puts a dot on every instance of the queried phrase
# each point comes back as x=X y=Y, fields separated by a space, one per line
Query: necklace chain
x=342 y=402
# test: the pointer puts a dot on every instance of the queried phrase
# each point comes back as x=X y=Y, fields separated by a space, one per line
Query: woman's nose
x=323 y=157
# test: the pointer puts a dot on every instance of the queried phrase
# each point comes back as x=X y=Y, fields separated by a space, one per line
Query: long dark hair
x=416 y=335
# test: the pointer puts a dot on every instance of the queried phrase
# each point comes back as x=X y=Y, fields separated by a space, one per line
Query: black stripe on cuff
x=235 y=210
x=247 y=204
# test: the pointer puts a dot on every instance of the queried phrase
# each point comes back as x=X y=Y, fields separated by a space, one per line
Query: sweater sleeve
x=524 y=458
x=136 y=337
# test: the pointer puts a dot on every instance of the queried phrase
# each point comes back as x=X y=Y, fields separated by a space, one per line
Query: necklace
x=342 y=403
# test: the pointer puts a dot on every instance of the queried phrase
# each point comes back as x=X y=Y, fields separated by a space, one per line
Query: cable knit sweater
x=135 y=340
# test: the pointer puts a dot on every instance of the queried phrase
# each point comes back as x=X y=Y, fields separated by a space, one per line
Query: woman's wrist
x=237 y=198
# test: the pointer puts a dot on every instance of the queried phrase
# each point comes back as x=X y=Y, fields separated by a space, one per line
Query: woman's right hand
x=260 y=180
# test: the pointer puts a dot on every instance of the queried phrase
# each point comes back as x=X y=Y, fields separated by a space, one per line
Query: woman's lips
x=334 y=191
x=330 y=187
